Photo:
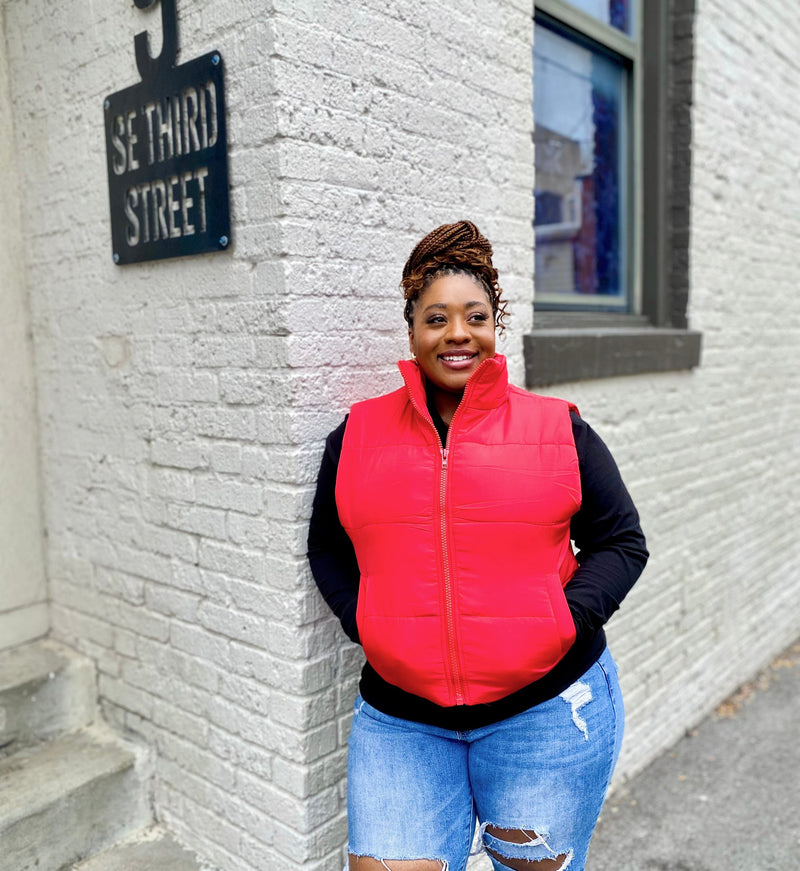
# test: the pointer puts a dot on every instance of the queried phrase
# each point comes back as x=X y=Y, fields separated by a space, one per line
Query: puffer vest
x=464 y=551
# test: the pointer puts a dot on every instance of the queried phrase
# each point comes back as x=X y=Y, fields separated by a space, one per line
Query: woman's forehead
x=460 y=289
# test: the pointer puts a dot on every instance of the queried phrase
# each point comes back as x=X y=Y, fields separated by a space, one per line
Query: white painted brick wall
x=24 y=613
x=170 y=463
x=183 y=404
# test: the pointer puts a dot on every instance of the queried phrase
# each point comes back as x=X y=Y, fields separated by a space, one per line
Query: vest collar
x=487 y=386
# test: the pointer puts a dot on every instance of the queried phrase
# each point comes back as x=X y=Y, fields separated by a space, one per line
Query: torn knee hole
x=514 y=836
x=370 y=863
x=526 y=838
x=558 y=863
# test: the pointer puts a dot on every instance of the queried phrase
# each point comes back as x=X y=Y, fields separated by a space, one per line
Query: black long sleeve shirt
x=611 y=555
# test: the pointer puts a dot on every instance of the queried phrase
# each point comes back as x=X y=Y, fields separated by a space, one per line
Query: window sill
x=556 y=355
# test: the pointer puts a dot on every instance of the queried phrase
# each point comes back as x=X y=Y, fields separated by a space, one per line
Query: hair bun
x=445 y=240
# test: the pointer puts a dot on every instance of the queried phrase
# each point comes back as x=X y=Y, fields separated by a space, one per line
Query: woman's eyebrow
x=443 y=305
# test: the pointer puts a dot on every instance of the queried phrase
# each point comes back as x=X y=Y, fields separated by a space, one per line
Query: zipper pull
x=445 y=453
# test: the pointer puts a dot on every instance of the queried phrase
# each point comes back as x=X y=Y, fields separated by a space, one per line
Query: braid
x=447 y=250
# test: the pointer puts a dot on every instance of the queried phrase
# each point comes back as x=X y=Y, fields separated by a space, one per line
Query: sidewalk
x=725 y=798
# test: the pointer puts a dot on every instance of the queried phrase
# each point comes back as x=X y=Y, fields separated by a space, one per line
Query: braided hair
x=452 y=249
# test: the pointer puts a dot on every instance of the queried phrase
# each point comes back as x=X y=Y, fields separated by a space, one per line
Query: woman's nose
x=459 y=331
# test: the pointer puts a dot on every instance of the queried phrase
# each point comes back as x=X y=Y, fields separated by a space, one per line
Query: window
x=612 y=95
x=581 y=109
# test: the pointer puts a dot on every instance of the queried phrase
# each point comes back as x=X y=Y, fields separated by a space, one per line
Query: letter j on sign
x=166 y=150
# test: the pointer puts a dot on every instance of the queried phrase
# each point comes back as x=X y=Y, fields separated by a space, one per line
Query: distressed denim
x=416 y=791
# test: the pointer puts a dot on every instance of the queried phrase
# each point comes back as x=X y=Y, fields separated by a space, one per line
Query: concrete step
x=152 y=849
x=45 y=689
x=68 y=798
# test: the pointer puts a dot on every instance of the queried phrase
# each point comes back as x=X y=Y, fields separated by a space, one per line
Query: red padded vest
x=464 y=550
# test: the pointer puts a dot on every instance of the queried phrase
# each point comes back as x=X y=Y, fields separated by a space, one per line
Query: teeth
x=455 y=358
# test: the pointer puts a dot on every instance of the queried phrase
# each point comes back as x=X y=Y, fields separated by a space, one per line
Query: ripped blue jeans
x=536 y=782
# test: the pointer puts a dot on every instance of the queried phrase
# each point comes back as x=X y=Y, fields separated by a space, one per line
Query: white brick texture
x=24 y=613
x=182 y=404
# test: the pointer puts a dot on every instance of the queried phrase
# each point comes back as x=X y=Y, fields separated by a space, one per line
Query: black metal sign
x=166 y=148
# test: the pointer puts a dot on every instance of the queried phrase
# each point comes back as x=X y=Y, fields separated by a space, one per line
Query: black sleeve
x=611 y=546
x=330 y=551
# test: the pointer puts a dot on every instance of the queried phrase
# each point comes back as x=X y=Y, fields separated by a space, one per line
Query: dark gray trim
x=655 y=164
x=572 y=320
x=681 y=74
x=555 y=356
x=572 y=346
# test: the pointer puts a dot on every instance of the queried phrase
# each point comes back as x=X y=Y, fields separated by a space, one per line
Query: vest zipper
x=452 y=648
x=448 y=591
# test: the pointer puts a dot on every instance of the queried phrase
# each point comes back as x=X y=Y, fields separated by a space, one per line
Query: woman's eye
x=479 y=317
x=436 y=319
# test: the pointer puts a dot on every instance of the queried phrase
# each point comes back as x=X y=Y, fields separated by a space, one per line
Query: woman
x=441 y=538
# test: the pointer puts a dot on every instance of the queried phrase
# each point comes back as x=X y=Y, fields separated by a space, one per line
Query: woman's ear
x=411 y=345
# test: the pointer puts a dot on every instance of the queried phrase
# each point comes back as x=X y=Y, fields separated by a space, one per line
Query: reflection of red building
x=580 y=209
x=559 y=217
x=566 y=239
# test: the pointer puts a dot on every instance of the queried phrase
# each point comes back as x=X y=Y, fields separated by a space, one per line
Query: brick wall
x=23 y=587
x=170 y=457
x=183 y=404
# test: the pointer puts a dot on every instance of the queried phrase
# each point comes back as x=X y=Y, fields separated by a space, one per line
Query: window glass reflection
x=580 y=114
x=616 y=13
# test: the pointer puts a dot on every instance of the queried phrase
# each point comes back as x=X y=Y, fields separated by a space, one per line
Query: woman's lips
x=457 y=360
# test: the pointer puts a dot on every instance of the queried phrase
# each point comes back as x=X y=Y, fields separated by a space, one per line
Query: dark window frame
x=575 y=346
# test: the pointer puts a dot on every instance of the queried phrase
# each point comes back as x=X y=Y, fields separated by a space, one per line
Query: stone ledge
x=554 y=356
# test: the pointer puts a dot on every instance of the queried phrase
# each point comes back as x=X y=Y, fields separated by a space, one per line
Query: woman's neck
x=446 y=404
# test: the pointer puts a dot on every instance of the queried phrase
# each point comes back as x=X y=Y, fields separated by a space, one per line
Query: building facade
x=162 y=422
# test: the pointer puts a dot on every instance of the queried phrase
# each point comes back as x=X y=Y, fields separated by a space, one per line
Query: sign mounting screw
x=215 y=59
x=116 y=257
x=223 y=241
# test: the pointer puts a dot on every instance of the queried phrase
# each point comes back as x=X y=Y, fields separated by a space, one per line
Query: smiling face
x=451 y=334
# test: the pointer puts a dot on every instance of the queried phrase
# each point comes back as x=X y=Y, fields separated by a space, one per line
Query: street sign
x=166 y=151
